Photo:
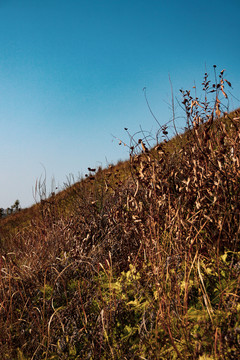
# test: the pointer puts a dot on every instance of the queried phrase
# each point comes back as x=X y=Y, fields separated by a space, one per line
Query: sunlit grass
x=137 y=261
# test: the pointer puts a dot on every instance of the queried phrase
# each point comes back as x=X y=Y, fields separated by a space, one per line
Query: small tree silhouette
x=16 y=206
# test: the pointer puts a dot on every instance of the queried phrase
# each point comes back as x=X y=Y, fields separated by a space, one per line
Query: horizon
x=72 y=77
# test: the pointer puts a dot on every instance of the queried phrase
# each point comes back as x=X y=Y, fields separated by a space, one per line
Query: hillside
x=137 y=261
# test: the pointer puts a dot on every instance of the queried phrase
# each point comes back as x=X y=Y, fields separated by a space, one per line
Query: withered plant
x=137 y=261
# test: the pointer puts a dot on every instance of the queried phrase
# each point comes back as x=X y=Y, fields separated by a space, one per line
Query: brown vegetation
x=140 y=261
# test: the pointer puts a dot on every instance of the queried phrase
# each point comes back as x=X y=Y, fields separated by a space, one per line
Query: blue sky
x=72 y=74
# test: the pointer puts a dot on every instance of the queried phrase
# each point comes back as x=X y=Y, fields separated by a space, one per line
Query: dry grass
x=140 y=261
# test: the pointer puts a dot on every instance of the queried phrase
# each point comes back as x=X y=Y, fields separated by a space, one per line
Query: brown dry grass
x=140 y=261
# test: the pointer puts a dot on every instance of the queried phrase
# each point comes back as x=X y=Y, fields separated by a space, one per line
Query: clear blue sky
x=72 y=74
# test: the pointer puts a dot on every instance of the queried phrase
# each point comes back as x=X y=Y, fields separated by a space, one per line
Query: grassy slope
x=15 y=222
x=141 y=262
